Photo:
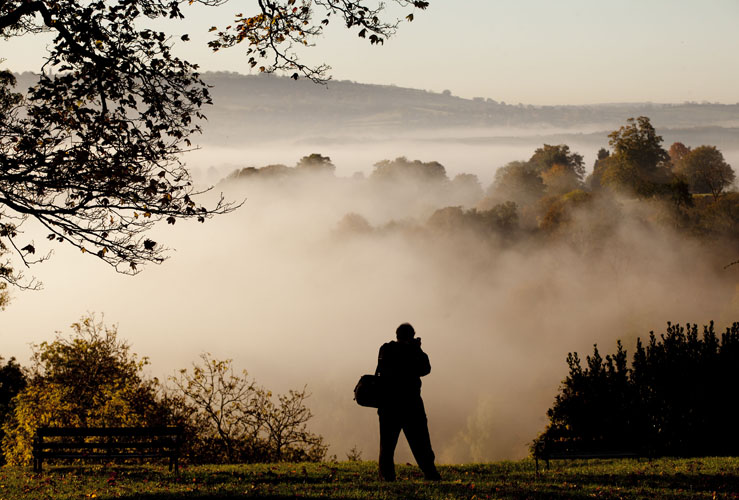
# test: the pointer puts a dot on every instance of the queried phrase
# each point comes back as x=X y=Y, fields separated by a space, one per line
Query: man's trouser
x=410 y=417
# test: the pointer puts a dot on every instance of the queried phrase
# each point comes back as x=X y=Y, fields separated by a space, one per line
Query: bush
x=237 y=421
x=676 y=399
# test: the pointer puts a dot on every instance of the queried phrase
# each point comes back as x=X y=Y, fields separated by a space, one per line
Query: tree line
x=676 y=398
x=688 y=189
x=91 y=378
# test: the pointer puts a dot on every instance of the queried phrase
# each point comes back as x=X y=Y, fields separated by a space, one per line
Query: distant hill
x=267 y=108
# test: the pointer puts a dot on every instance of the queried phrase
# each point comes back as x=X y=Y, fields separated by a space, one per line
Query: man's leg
x=389 y=433
x=416 y=432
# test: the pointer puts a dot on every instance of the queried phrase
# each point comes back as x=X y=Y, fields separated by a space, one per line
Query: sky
x=524 y=51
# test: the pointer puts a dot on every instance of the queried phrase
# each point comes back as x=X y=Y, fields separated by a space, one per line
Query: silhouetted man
x=400 y=365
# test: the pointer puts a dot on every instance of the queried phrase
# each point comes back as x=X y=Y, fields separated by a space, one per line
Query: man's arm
x=423 y=366
x=380 y=361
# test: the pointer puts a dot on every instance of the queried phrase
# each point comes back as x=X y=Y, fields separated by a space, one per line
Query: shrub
x=237 y=421
x=676 y=399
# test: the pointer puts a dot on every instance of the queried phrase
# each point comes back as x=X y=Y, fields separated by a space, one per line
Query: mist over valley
x=368 y=206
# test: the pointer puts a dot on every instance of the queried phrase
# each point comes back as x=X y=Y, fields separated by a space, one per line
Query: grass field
x=663 y=478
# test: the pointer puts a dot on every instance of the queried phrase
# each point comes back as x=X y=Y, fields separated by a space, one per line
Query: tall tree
x=92 y=152
x=547 y=156
x=638 y=162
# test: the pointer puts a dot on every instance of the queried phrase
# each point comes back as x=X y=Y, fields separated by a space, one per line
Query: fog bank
x=300 y=294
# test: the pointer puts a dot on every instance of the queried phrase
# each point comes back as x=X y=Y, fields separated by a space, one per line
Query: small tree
x=12 y=381
x=238 y=421
x=288 y=438
x=224 y=405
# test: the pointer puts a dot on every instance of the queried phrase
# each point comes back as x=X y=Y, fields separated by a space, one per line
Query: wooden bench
x=107 y=443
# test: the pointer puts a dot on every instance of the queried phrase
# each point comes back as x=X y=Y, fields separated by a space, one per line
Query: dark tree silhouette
x=676 y=399
x=91 y=152
x=12 y=381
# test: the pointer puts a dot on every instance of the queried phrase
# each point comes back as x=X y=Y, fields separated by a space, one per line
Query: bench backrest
x=107 y=443
x=108 y=431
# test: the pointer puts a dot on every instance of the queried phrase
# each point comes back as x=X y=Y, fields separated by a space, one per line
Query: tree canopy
x=705 y=170
x=547 y=156
x=92 y=152
x=638 y=162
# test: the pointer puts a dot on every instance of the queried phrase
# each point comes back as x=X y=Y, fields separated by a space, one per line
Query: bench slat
x=104 y=445
x=108 y=431
x=104 y=455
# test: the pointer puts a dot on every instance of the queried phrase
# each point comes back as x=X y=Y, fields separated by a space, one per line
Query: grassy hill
x=624 y=479
x=267 y=107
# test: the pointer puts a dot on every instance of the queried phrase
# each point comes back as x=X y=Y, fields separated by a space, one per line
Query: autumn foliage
x=91 y=378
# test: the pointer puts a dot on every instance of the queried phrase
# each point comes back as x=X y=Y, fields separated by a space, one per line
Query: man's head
x=405 y=332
